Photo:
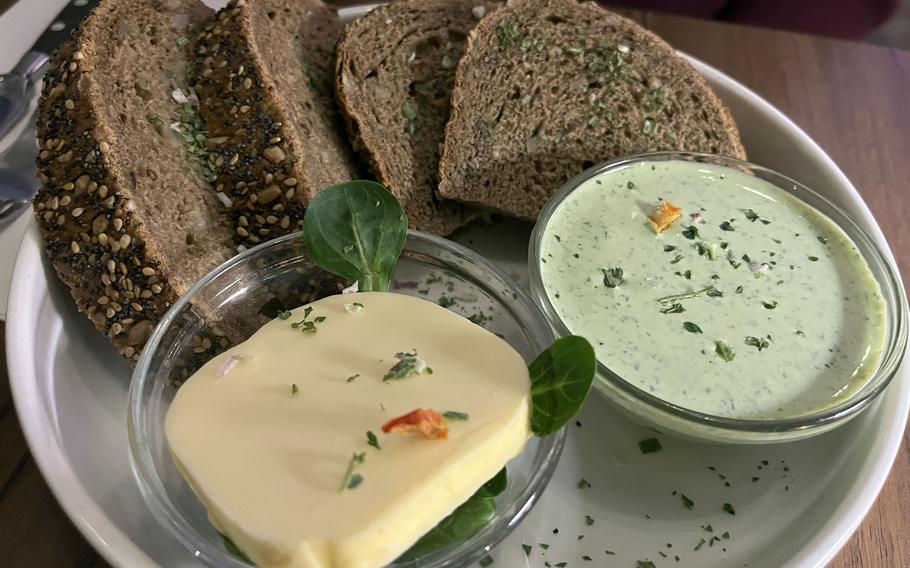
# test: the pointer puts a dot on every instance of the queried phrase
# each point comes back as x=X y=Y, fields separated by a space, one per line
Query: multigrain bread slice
x=394 y=73
x=127 y=219
x=263 y=74
x=547 y=88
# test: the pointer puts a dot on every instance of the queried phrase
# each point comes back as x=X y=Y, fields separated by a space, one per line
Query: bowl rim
x=462 y=553
x=895 y=341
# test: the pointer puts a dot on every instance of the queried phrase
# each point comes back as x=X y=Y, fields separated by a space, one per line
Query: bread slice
x=127 y=218
x=394 y=73
x=263 y=74
x=547 y=88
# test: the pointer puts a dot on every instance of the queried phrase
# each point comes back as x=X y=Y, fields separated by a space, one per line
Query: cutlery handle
x=30 y=64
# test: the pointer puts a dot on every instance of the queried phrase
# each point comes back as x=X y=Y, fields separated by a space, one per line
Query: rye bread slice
x=547 y=88
x=127 y=219
x=394 y=74
x=263 y=74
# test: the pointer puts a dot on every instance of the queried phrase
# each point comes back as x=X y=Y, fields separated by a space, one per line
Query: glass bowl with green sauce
x=248 y=291
x=763 y=313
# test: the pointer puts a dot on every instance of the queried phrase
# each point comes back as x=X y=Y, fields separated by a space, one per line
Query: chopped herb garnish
x=351 y=378
x=644 y=564
x=631 y=185
x=373 y=440
x=589 y=520
x=669 y=248
x=770 y=305
x=739 y=289
x=823 y=240
x=446 y=302
x=728 y=508
x=583 y=484
x=586 y=558
x=527 y=548
x=734 y=264
x=544 y=545
x=690 y=232
x=612 y=277
x=673 y=309
x=701 y=542
x=609 y=553
x=757 y=343
x=750 y=215
x=649 y=445
x=813 y=258
x=676 y=259
x=723 y=351
x=726 y=226
x=284 y=314
x=687 y=503
x=294 y=388
x=715 y=293
x=408 y=364
x=685 y=296
x=455 y=415
x=485 y=561
x=351 y=478
x=725 y=535
x=306 y=325
x=691 y=327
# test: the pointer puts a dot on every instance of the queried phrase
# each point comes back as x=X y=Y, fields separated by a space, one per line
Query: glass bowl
x=250 y=289
x=671 y=418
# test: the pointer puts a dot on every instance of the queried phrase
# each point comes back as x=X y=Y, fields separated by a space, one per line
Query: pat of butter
x=267 y=459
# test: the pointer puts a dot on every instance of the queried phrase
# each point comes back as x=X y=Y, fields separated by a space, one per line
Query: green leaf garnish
x=649 y=445
x=408 y=364
x=583 y=484
x=770 y=305
x=728 y=508
x=723 y=351
x=673 y=309
x=685 y=296
x=455 y=415
x=751 y=215
x=726 y=226
x=356 y=230
x=644 y=564
x=284 y=314
x=690 y=232
x=232 y=548
x=372 y=440
x=687 y=503
x=676 y=259
x=464 y=522
x=351 y=478
x=612 y=277
x=527 y=548
x=669 y=248
x=294 y=388
x=351 y=378
x=560 y=379
x=813 y=258
x=758 y=343
x=691 y=327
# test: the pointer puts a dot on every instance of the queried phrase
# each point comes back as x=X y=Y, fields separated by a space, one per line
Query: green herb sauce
x=789 y=317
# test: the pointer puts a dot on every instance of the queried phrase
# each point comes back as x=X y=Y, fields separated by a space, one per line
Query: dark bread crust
x=260 y=161
x=94 y=234
x=399 y=60
x=547 y=88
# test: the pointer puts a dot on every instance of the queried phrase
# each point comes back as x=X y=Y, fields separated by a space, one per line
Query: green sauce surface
x=751 y=305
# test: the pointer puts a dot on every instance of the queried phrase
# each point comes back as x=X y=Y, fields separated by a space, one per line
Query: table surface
x=851 y=98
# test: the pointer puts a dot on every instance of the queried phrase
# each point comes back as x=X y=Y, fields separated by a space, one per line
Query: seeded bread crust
x=394 y=74
x=548 y=88
x=90 y=210
x=268 y=164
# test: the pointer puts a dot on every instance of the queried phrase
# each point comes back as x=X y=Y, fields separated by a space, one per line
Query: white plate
x=70 y=390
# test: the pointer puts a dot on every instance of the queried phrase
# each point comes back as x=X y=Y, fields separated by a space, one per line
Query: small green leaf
x=813 y=258
x=561 y=377
x=673 y=309
x=649 y=445
x=728 y=508
x=669 y=248
x=464 y=522
x=455 y=415
x=751 y=215
x=589 y=520
x=373 y=440
x=691 y=327
x=284 y=314
x=770 y=305
x=362 y=215
x=690 y=232
x=758 y=343
x=232 y=548
x=687 y=503
x=612 y=277
x=294 y=388
x=723 y=351
x=527 y=548
x=726 y=226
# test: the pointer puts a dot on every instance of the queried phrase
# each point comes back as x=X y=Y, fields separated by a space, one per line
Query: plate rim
x=120 y=550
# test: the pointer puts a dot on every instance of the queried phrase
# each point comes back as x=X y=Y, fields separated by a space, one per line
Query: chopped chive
x=373 y=440
x=687 y=503
x=728 y=508
x=294 y=388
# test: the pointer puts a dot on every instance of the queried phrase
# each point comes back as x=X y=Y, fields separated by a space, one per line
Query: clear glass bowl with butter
x=698 y=326
x=248 y=291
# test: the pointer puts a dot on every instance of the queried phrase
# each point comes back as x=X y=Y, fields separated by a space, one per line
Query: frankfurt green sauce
x=751 y=305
